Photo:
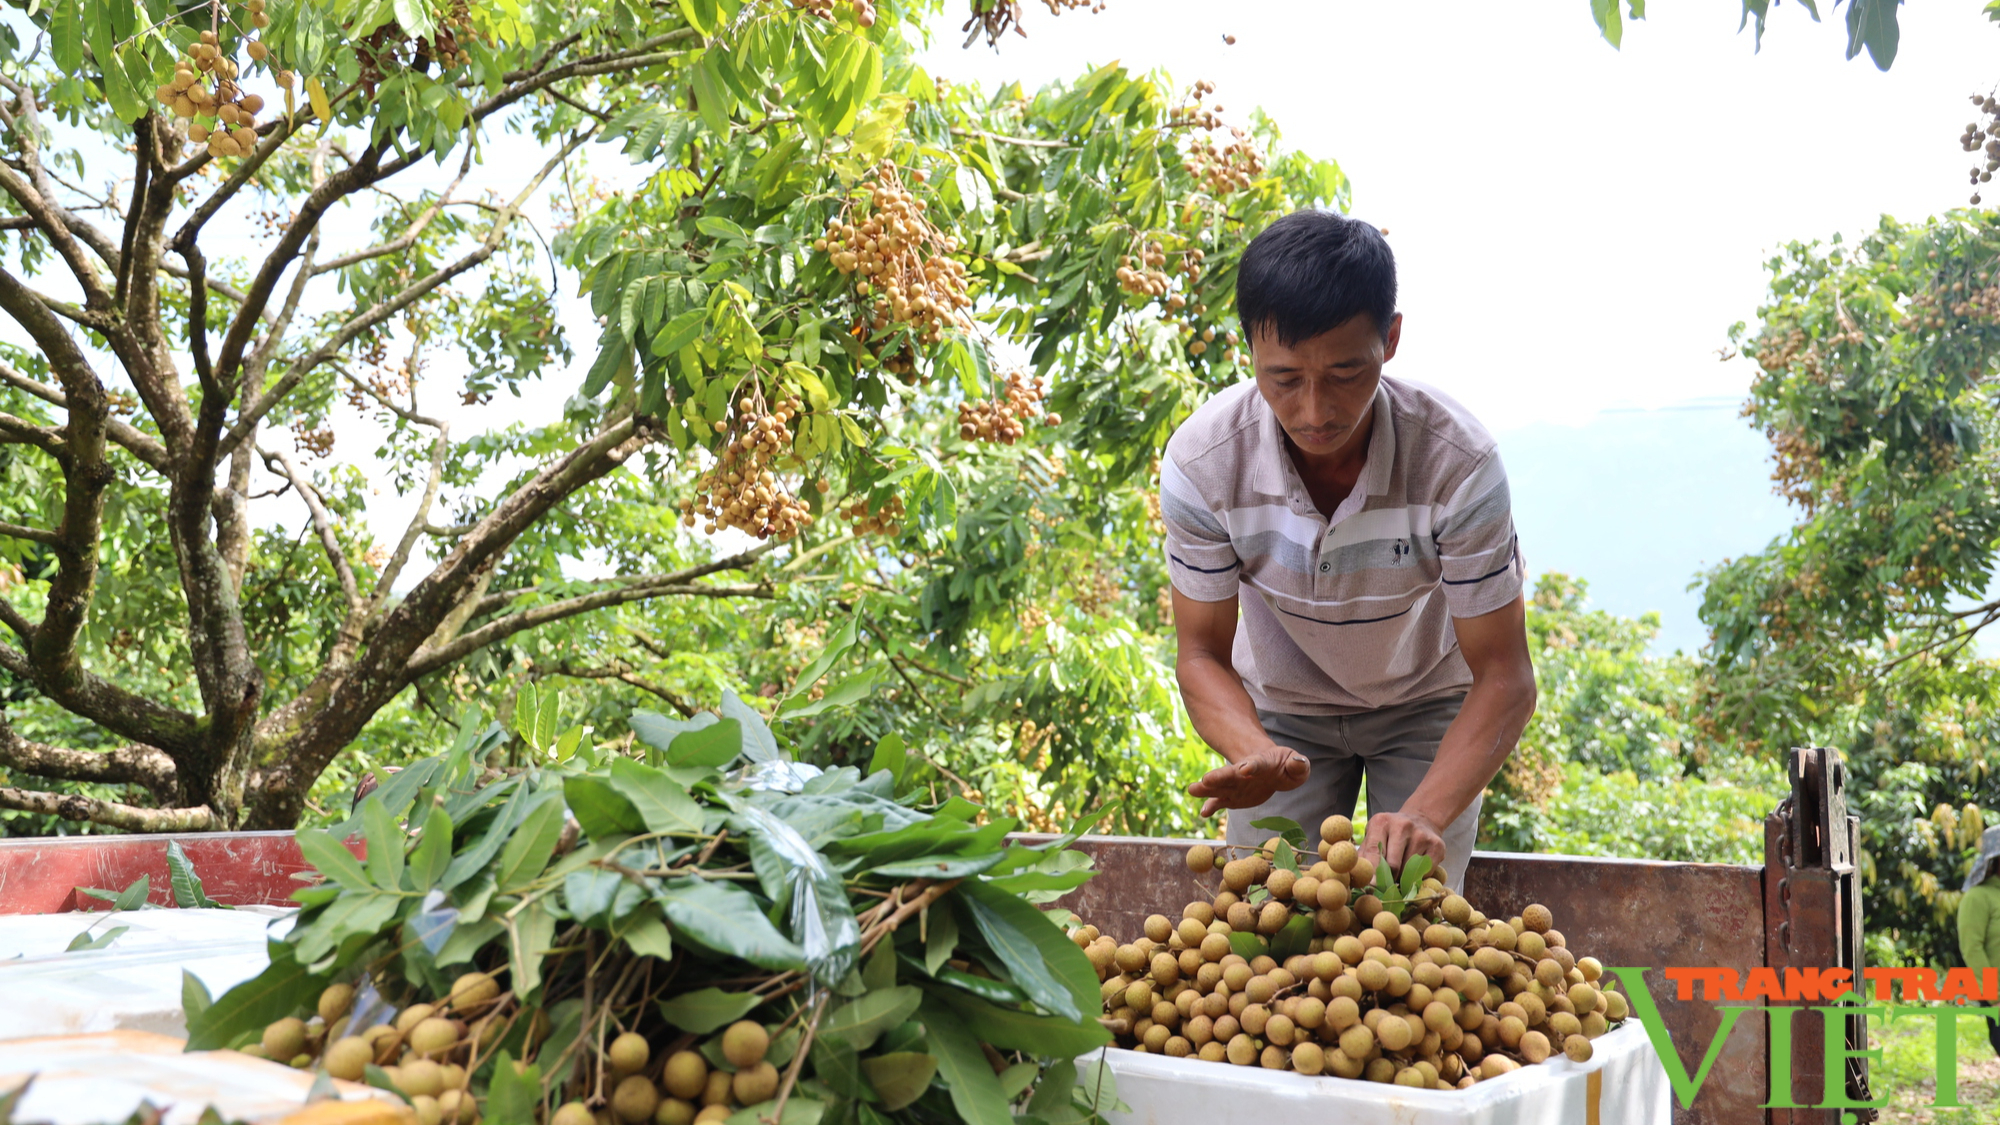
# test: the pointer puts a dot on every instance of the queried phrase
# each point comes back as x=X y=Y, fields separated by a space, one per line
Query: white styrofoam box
x=1622 y=1084
x=88 y=1079
x=135 y=981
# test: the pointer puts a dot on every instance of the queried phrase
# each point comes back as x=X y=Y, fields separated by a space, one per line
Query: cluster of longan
x=1143 y=277
x=1006 y=419
x=686 y=1090
x=1983 y=136
x=1432 y=995
x=1231 y=167
x=742 y=490
x=1194 y=114
x=993 y=17
x=864 y=10
x=424 y=1051
x=885 y=518
x=189 y=96
x=901 y=262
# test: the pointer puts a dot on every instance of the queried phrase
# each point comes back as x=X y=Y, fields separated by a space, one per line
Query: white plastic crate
x=1622 y=1084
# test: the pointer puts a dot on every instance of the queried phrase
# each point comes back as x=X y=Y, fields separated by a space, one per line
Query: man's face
x=1320 y=388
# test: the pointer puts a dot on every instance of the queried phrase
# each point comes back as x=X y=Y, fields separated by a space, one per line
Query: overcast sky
x=1576 y=227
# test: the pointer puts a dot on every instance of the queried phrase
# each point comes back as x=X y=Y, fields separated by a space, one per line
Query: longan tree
x=801 y=305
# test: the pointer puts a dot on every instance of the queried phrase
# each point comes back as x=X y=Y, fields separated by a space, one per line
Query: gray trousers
x=1391 y=748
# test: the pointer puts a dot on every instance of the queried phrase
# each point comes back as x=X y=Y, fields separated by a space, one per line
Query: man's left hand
x=1396 y=837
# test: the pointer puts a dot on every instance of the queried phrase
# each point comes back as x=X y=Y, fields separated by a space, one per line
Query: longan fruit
x=473 y=990
x=1394 y=1033
x=335 y=1002
x=1535 y=1047
x=1131 y=958
x=672 y=1111
x=421 y=1076
x=1166 y=968
x=1380 y=1070
x=1342 y=857
x=1565 y=1024
x=1342 y=1013
x=1577 y=1048
x=686 y=1075
x=635 y=1099
x=1242 y=1050
x=1201 y=859
x=1363 y=872
x=714 y=1113
x=1592 y=968
x=1594 y=1024
x=1374 y=975
x=348 y=1058
x=1493 y=1066
x=1555 y=939
x=433 y=1037
x=1214 y=947
x=1304 y=890
x=1336 y=829
x=1213 y=1051
x=1273 y=917
x=1158 y=928
x=629 y=1053
x=1310 y=1013
x=1531 y=945
x=1238 y=874
x=1308 y=1058
x=1274 y=1057
x=1617 y=1008
x=1243 y=917
x=1357 y=1041
x=1536 y=917
x=284 y=1038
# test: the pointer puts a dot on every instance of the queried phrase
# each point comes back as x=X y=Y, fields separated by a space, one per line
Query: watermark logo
x=1833 y=993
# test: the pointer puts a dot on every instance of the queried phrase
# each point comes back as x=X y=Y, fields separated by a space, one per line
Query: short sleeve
x=1477 y=549
x=1201 y=561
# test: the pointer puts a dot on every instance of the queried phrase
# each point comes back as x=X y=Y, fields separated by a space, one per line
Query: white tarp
x=135 y=981
x=1622 y=1084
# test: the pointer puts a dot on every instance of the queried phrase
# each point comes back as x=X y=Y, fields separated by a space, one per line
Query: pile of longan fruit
x=1231 y=167
x=1438 y=996
x=743 y=490
x=1006 y=419
x=1144 y=277
x=683 y=1090
x=424 y=1051
x=900 y=263
x=884 y=518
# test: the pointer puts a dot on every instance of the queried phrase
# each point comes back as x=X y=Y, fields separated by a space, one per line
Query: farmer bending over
x=1360 y=525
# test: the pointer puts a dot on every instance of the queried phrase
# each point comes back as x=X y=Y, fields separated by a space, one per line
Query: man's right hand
x=1250 y=780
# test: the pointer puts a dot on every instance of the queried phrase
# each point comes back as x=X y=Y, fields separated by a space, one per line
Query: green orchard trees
x=823 y=314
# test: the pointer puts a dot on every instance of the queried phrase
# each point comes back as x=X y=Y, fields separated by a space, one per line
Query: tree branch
x=410 y=233
x=322 y=523
x=32 y=534
x=135 y=441
x=125 y=714
x=127 y=765
x=622 y=674
x=429 y=659
x=111 y=814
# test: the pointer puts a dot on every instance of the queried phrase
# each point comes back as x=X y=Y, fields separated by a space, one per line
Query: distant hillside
x=1639 y=502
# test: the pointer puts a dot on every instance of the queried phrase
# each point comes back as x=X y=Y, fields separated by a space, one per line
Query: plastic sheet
x=1622 y=1083
x=90 y=1079
x=133 y=983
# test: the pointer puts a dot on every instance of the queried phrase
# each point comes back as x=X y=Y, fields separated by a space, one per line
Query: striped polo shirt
x=1350 y=611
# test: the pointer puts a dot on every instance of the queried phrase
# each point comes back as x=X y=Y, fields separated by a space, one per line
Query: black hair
x=1313 y=271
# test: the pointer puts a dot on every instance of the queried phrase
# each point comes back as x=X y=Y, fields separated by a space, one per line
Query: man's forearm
x=1221 y=710
x=1474 y=747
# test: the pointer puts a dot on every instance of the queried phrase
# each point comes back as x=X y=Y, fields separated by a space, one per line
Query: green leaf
x=1293 y=833
x=846 y=693
x=975 y=1090
x=83 y=942
x=600 y=808
x=727 y=919
x=514 y=1095
x=194 y=996
x=711 y=96
x=1285 y=857
x=681 y=331
x=1247 y=945
x=648 y=936
x=1035 y=952
x=281 y=989
x=892 y=755
x=940 y=937
x=707 y=1009
x=385 y=844
x=759 y=744
x=363 y=912
x=1052 y=1096
x=188 y=894
x=432 y=855
x=530 y=848
x=1294 y=939
x=66 y=35
x=862 y=1021
x=834 y=650
x=799 y=1110
x=1013 y=1029
x=663 y=803
x=530 y=933
x=331 y=858
x=702 y=15
x=900 y=1077
x=134 y=896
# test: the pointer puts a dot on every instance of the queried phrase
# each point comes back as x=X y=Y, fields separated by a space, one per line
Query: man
x=1979 y=917
x=1362 y=525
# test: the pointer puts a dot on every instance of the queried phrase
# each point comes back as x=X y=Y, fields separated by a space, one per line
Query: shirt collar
x=1277 y=476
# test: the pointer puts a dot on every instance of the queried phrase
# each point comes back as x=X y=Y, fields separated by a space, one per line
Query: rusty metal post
x=1812 y=917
